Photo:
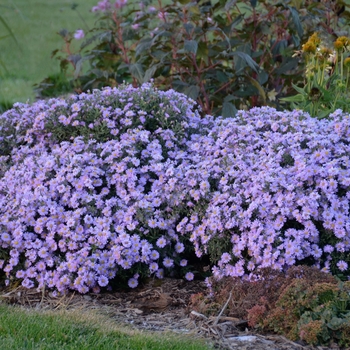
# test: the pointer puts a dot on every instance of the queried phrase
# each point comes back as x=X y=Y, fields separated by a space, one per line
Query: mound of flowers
x=83 y=197
x=278 y=185
x=130 y=182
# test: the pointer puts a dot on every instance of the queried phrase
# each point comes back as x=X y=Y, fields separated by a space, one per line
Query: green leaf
x=195 y=10
x=143 y=46
x=192 y=91
x=221 y=76
x=259 y=88
x=296 y=40
x=236 y=21
x=79 y=64
x=191 y=46
x=10 y=32
x=229 y=110
x=74 y=59
x=229 y=98
x=295 y=98
x=262 y=77
x=188 y=27
x=296 y=20
x=324 y=113
x=300 y=90
x=253 y=3
x=64 y=33
x=247 y=59
x=150 y=72
x=287 y=66
x=102 y=37
x=202 y=51
x=229 y=4
x=136 y=70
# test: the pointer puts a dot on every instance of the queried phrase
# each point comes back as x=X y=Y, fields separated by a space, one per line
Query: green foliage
x=225 y=55
x=318 y=313
x=327 y=74
x=10 y=34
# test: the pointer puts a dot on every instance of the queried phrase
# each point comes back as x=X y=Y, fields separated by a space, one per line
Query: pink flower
x=79 y=34
x=120 y=4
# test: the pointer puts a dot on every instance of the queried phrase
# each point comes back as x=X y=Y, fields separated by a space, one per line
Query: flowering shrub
x=130 y=182
x=277 y=188
x=85 y=197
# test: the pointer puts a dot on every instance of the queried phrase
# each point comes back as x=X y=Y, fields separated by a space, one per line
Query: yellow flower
x=314 y=38
x=309 y=47
x=341 y=42
x=325 y=51
x=347 y=62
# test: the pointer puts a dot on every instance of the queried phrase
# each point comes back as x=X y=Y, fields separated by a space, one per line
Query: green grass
x=35 y=24
x=77 y=330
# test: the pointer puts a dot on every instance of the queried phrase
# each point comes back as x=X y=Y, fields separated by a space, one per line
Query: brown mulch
x=159 y=306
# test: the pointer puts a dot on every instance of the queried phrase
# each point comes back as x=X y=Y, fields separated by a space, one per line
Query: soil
x=159 y=306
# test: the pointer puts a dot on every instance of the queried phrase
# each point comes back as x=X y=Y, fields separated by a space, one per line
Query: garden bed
x=160 y=306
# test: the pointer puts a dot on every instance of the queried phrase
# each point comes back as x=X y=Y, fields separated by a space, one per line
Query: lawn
x=35 y=24
x=79 y=330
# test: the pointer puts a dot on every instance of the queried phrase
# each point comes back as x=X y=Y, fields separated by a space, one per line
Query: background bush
x=226 y=55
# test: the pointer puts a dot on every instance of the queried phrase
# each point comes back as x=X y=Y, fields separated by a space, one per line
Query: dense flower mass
x=278 y=189
x=84 y=197
x=128 y=182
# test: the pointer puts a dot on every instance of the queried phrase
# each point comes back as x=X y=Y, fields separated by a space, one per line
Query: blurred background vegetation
x=34 y=24
x=226 y=54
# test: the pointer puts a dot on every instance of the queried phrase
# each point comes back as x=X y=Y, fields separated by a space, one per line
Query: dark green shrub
x=224 y=54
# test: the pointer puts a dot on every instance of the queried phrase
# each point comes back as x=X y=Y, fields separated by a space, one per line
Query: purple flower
x=183 y=262
x=79 y=34
x=103 y=281
x=189 y=276
x=342 y=265
x=132 y=283
x=167 y=262
x=161 y=242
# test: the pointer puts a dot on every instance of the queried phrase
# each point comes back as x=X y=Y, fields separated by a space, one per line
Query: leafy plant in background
x=225 y=55
x=327 y=74
x=4 y=105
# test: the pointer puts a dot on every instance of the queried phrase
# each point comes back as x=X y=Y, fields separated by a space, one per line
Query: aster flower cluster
x=128 y=182
x=278 y=188
x=83 y=198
